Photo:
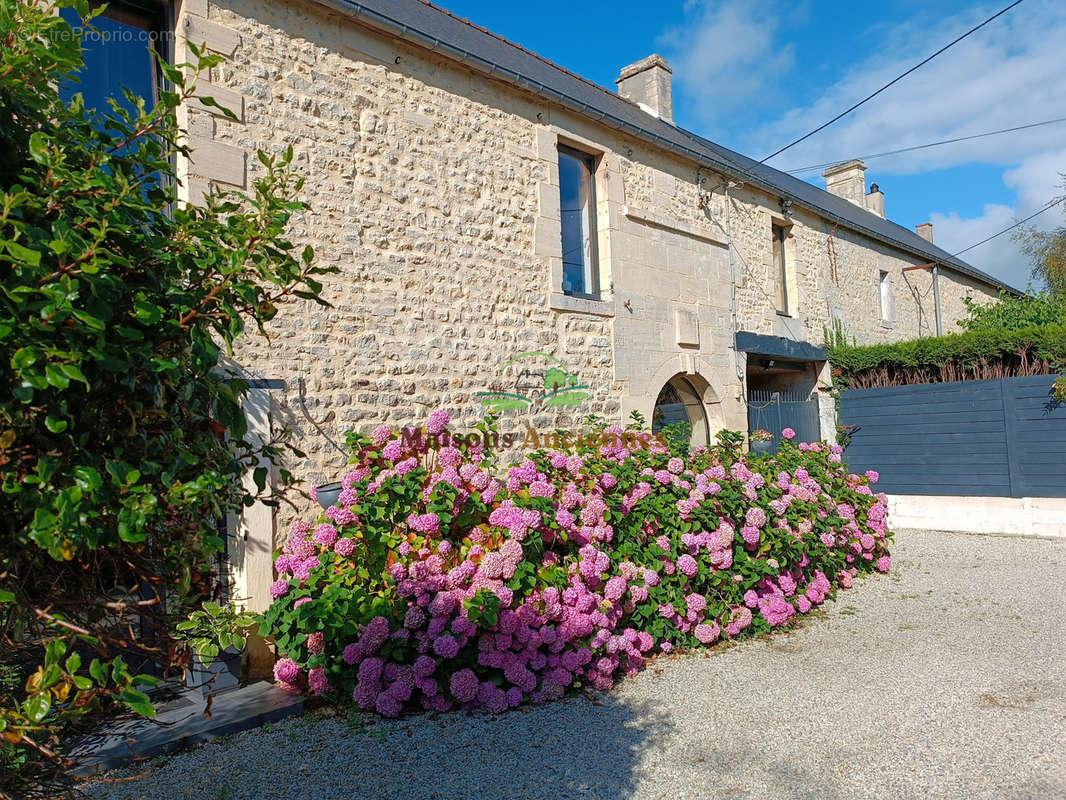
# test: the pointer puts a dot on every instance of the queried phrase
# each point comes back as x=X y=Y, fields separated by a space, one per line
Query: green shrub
x=121 y=439
x=435 y=583
x=1011 y=312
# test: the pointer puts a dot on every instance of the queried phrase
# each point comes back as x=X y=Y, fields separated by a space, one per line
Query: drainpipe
x=733 y=282
x=936 y=300
x=936 y=294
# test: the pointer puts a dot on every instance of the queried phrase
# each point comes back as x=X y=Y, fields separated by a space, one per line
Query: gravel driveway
x=945 y=678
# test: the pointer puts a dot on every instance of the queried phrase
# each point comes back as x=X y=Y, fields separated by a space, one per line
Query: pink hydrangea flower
x=325 y=535
x=788 y=433
x=687 y=564
x=393 y=451
x=424 y=523
x=437 y=422
x=344 y=547
x=317 y=682
x=286 y=671
x=707 y=633
x=279 y=588
x=615 y=588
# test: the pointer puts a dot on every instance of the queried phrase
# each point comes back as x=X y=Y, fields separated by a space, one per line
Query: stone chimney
x=925 y=230
x=875 y=200
x=847 y=180
x=648 y=83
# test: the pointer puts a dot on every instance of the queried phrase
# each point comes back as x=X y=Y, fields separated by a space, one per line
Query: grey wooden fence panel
x=1039 y=431
x=993 y=438
x=923 y=439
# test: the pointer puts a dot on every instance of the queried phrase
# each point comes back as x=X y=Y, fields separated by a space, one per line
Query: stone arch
x=682 y=367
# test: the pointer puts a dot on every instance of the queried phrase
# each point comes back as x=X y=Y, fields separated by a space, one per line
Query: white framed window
x=888 y=298
x=577 y=206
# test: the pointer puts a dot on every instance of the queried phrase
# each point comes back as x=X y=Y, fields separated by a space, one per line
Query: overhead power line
x=1019 y=223
x=911 y=149
x=892 y=82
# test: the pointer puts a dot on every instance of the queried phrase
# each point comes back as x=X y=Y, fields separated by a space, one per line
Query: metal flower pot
x=328 y=494
x=762 y=447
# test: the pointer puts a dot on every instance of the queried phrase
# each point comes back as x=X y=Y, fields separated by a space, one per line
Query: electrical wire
x=894 y=81
x=1049 y=206
x=911 y=149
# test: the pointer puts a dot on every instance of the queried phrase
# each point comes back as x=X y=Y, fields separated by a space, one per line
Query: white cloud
x=1007 y=74
x=1037 y=181
x=724 y=55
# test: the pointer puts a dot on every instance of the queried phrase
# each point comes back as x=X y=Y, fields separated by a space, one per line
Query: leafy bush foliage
x=121 y=439
x=434 y=584
x=1011 y=313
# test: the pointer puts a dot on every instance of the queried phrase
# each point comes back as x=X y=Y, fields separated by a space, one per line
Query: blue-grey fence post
x=1010 y=425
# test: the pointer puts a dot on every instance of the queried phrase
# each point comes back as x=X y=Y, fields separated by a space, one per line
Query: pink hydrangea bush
x=437 y=583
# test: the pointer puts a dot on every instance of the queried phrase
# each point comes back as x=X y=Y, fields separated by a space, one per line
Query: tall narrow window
x=781 y=268
x=577 y=196
x=888 y=298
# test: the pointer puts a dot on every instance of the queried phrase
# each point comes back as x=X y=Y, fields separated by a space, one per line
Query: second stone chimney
x=648 y=83
x=925 y=230
x=875 y=200
x=847 y=180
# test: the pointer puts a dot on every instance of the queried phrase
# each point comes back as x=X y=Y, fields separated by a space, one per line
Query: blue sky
x=755 y=75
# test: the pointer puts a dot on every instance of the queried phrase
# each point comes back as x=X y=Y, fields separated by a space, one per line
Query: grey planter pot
x=762 y=447
x=222 y=672
x=328 y=494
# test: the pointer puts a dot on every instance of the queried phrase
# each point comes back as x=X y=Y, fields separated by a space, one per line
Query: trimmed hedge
x=974 y=355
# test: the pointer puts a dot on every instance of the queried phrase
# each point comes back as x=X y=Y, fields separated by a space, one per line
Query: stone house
x=508 y=232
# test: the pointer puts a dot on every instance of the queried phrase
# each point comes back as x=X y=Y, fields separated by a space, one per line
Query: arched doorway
x=678 y=401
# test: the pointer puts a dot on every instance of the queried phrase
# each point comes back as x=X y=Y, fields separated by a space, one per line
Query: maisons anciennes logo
x=531 y=381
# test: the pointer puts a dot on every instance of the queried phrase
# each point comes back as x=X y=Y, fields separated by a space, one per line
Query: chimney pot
x=648 y=83
x=925 y=230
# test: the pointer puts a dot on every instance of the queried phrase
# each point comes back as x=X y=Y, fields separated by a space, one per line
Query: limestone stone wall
x=421 y=186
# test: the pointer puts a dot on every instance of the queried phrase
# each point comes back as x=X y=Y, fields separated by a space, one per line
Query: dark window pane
x=117 y=57
x=781 y=268
x=576 y=207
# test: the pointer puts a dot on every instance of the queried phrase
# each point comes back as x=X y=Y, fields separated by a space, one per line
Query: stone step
x=180 y=722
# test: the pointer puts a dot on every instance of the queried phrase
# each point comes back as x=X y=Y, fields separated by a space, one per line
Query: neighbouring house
x=509 y=234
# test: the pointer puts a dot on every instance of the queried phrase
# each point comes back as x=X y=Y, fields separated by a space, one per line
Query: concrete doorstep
x=1018 y=516
x=181 y=722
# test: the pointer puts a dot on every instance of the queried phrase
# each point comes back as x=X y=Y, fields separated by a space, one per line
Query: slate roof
x=435 y=28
